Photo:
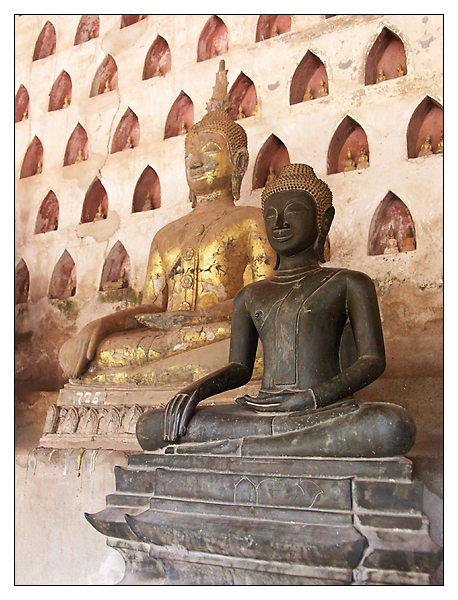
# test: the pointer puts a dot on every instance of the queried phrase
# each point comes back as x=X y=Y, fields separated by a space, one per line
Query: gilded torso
x=206 y=256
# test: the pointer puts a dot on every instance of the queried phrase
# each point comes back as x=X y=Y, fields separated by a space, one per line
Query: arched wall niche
x=213 y=40
x=181 y=116
x=46 y=42
x=95 y=206
x=271 y=158
x=61 y=92
x=127 y=20
x=310 y=80
x=21 y=104
x=349 y=148
x=106 y=77
x=77 y=149
x=269 y=26
x=33 y=159
x=147 y=194
x=21 y=282
x=243 y=98
x=116 y=270
x=158 y=61
x=48 y=215
x=127 y=134
x=88 y=29
x=63 y=280
x=392 y=228
x=425 y=130
x=386 y=59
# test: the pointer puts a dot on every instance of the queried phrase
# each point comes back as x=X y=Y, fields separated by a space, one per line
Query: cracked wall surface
x=409 y=284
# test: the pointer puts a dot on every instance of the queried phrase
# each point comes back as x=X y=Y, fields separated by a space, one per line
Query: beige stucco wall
x=342 y=43
x=63 y=548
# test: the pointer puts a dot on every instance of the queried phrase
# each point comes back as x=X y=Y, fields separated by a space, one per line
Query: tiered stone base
x=219 y=520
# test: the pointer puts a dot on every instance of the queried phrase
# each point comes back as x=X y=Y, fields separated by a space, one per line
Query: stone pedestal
x=95 y=416
x=214 y=520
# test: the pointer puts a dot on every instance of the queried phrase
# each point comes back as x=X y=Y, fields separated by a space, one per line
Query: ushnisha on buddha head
x=216 y=153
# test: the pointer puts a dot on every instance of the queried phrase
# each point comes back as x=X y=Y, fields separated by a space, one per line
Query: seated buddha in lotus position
x=322 y=339
x=196 y=266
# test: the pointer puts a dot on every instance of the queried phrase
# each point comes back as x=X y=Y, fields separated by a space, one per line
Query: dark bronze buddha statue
x=322 y=339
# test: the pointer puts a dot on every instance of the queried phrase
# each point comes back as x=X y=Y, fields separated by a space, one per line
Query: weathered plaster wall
x=409 y=284
x=54 y=544
x=63 y=485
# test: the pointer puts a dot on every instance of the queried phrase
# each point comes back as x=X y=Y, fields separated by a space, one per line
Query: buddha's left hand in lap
x=287 y=401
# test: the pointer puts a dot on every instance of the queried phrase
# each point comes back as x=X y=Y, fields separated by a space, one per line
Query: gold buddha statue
x=426 y=148
x=99 y=216
x=270 y=176
x=196 y=266
x=350 y=164
x=440 y=145
x=308 y=95
x=323 y=89
x=392 y=244
x=409 y=243
x=363 y=159
x=380 y=76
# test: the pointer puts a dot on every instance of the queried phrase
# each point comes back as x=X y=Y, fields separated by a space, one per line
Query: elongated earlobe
x=325 y=226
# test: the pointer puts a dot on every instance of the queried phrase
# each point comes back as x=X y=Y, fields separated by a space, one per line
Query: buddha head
x=216 y=147
x=298 y=211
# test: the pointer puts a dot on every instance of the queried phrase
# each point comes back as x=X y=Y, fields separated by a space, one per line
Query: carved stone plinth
x=94 y=416
x=206 y=520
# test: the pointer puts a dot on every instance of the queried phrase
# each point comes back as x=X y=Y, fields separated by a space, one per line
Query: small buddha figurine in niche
x=391 y=244
x=255 y=111
x=39 y=167
x=270 y=175
x=400 y=71
x=380 y=76
x=99 y=216
x=183 y=129
x=158 y=71
x=193 y=272
x=322 y=338
x=308 y=94
x=70 y=289
x=107 y=87
x=363 y=159
x=66 y=102
x=240 y=113
x=117 y=284
x=350 y=164
x=26 y=114
x=409 y=243
x=80 y=156
x=323 y=89
x=129 y=142
x=426 y=148
x=440 y=145
x=147 y=205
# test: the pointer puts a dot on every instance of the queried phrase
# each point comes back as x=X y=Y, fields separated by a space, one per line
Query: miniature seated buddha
x=350 y=164
x=196 y=266
x=322 y=339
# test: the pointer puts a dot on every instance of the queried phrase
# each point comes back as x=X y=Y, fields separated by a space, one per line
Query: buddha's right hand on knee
x=178 y=413
x=79 y=350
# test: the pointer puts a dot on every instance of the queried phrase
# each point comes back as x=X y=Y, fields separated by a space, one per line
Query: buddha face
x=291 y=221
x=208 y=164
